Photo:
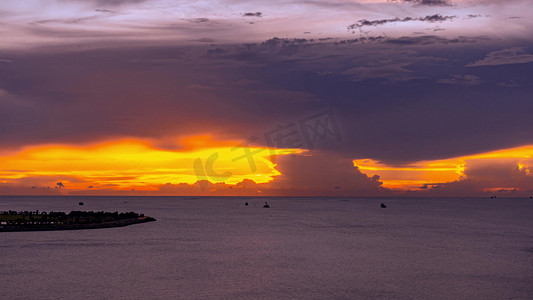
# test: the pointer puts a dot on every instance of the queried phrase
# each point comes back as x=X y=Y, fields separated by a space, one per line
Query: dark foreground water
x=306 y=248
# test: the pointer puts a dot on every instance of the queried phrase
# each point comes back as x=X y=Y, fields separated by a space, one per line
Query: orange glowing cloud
x=136 y=164
x=433 y=172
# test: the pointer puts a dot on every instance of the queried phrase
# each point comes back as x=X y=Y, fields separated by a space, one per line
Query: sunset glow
x=130 y=164
x=153 y=97
x=266 y=149
x=136 y=165
x=432 y=172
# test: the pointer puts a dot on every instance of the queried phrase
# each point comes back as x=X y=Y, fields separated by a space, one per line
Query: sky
x=266 y=98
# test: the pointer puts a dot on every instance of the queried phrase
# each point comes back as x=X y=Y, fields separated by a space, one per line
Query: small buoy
x=80 y=203
x=383 y=205
x=246 y=204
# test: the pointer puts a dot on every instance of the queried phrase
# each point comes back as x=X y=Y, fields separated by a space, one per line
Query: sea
x=299 y=248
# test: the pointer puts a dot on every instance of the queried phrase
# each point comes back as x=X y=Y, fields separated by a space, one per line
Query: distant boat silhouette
x=246 y=204
x=80 y=203
x=266 y=205
x=383 y=205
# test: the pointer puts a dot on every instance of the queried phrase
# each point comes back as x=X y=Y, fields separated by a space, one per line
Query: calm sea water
x=305 y=248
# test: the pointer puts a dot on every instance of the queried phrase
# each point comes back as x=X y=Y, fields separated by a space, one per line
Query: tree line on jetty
x=58 y=218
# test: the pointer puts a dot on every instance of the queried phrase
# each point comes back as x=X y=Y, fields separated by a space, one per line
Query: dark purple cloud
x=107 y=2
x=398 y=97
x=427 y=2
x=253 y=14
x=484 y=178
x=99 y=70
x=325 y=173
x=516 y=55
x=393 y=99
x=429 y=18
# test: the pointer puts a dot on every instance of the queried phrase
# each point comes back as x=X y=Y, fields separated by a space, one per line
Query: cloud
x=198 y=20
x=432 y=39
x=314 y=174
x=76 y=24
x=435 y=18
x=9 y=189
x=103 y=10
x=429 y=18
x=393 y=72
x=463 y=79
x=204 y=40
x=107 y=2
x=145 y=73
x=516 y=55
x=253 y=14
x=323 y=171
x=509 y=83
x=191 y=91
x=488 y=177
x=30 y=182
x=427 y=2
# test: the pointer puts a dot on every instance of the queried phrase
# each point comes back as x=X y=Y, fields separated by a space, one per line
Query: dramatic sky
x=277 y=97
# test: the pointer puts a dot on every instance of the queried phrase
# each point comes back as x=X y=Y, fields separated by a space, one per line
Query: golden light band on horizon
x=428 y=172
x=137 y=164
x=131 y=164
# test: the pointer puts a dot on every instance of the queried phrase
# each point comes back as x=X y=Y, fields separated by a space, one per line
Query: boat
x=246 y=204
x=80 y=203
x=266 y=205
x=383 y=205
